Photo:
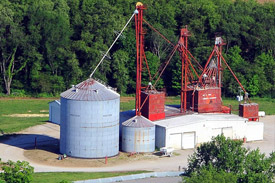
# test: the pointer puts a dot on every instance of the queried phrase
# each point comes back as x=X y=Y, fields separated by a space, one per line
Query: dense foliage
x=47 y=45
x=224 y=159
x=19 y=172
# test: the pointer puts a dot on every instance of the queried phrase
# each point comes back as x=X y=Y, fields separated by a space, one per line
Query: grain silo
x=138 y=135
x=89 y=121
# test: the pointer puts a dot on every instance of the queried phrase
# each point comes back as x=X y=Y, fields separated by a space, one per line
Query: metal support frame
x=183 y=42
x=210 y=73
x=188 y=72
x=140 y=54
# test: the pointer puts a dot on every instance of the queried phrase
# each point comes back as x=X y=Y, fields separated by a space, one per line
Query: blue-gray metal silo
x=138 y=135
x=89 y=121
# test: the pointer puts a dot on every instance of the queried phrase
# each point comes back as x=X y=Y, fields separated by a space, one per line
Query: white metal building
x=187 y=131
x=54 y=111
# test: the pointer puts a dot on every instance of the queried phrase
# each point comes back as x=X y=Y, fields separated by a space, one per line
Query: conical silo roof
x=90 y=90
x=138 y=122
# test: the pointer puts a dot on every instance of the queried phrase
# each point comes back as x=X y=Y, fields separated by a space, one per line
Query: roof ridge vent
x=74 y=88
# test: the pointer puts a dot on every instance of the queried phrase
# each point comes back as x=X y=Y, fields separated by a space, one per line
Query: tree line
x=48 y=45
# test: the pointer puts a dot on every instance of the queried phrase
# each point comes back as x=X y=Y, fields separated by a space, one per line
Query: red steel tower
x=140 y=54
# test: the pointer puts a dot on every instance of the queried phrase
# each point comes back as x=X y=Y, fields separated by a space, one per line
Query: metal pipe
x=135 y=12
x=154 y=29
x=232 y=73
x=137 y=68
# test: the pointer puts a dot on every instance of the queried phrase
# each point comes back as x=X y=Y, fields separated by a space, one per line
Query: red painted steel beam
x=183 y=41
x=154 y=29
x=189 y=61
x=209 y=59
x=232 y=72
x=140 y=54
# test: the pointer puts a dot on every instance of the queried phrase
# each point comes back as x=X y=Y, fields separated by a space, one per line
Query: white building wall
x=204 y=131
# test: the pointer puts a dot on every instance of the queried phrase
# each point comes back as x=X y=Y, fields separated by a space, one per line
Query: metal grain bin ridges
x=89 y=121
x=91 y=90
x=138 y=135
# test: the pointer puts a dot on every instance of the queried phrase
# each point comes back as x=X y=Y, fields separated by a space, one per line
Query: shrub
x=19 y=172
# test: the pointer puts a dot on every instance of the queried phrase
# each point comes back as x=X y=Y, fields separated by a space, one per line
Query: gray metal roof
x=174 y=122
x=138 y=122
x=90 y=90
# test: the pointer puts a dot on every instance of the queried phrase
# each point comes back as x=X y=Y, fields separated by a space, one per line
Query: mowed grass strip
x=265 y=104
x=55 y=177
x=23 y=106
x=9 y=106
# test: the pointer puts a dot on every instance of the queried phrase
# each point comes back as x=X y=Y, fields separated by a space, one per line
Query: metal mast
x=183 y=42
x=140 y=53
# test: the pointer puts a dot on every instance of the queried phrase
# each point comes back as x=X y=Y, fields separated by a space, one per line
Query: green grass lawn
x=35 y=106
x=21 y=106
x=74 y=176
x=124 y=106
x=265 y=104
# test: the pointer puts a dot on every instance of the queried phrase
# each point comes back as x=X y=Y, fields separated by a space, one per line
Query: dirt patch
x=27 y=115
x=48 y=155
x=265 y=1
x=126 y=99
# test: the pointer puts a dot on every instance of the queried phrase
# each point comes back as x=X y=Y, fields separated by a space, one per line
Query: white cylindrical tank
x=261 y=114
x=89 y=121
x=138 y=135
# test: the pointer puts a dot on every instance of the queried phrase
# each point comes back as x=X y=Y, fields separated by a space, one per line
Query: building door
x=228 y=132
x=175 y=140
x=188 y=140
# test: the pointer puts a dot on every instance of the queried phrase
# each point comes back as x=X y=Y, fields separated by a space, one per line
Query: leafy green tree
x=100 y=22
x=239 y=66
x=221 y=153
x=153 y=64
x=253 y=86
x=265 y=70
x=258 y=168
x=48 y=45
x=20 y=172
x=208 y=174
x=120 y=72
x=12 y=44
x=49 y=28
x=229 y=156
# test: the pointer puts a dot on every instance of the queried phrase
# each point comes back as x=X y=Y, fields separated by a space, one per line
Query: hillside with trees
x=48 y=45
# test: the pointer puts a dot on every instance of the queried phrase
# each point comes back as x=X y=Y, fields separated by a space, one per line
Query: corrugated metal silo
x=89 y=121
x=138 y=135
